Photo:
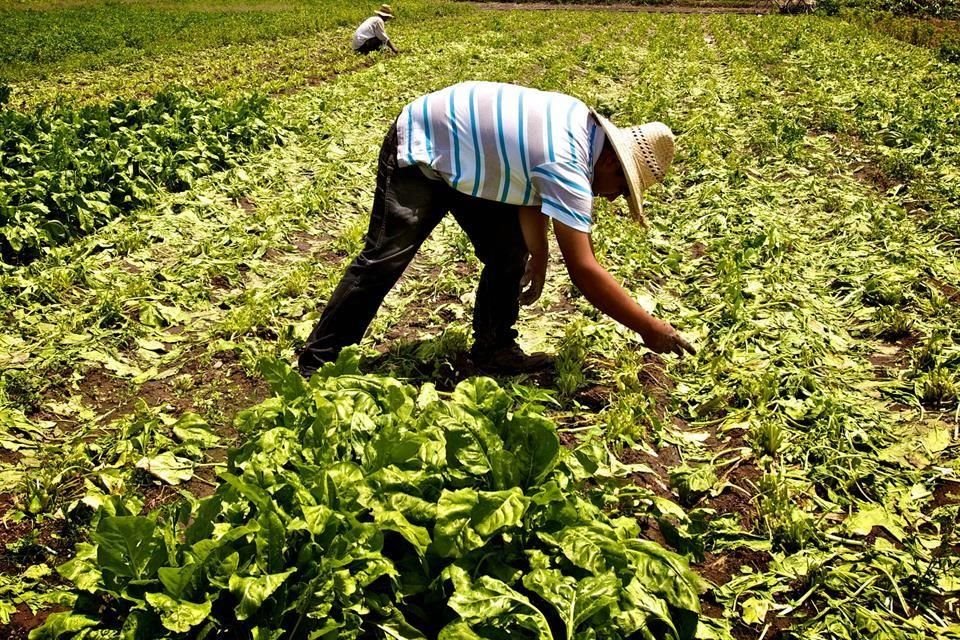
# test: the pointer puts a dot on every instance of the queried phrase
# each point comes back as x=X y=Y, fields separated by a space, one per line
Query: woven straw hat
x=645 y=153
x=385 y=11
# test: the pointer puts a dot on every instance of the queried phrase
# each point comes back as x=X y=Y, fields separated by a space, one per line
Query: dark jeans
x=371 y=45
x=407 y=206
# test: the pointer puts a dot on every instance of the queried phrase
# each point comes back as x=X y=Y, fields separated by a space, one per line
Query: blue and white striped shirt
x=506 y=143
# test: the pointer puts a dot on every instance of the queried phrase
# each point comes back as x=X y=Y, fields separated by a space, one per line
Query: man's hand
x=663 y=338
x=531 y=284
x=606 y=294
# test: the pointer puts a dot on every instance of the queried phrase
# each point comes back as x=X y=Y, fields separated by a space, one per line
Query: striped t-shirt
x=506 y=143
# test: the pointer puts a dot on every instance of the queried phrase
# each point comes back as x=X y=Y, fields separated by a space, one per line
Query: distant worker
x=371 y=35
x=506 y=161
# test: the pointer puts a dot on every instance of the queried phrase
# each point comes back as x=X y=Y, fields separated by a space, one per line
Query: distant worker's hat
x=385 y=11
x=645 y=153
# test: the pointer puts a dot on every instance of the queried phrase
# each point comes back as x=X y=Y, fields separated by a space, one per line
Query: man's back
x=506 y=143
x=372 y=27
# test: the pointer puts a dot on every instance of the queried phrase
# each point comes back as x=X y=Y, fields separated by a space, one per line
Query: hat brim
x=624 y=152
x=383 y=14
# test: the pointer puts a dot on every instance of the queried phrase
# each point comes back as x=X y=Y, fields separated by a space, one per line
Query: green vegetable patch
x=361 y=507
x=66 y=171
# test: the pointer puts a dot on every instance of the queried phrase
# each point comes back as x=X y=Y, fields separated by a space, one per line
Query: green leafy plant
x=571 y=360
x=893 y=324
x=66 y=171
x=768 y=435
x=788 y=525
x=362 y=507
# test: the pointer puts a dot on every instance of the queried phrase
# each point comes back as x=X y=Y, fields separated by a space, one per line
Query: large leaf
x=863 y=521
x=283 y=380
x=585 y=548
x=180 y=582
x=59 y=624
x=469 y=440
x=498 y=510
x=531 y=450
x=251 y=592
x=82 y=569
x=168 y=467
x=141 y=625
x=393 y=520
x=483 y=397
x=453 y=534
x=315 y=519
x=399 y=629
x=178 y=616
x=666 y=574
x=458 y=630
x=348 y=363
x=487 y=600
x=270 y=541
x=191 y=428
x=129 y=546
x=576 y=601
x=465 y=518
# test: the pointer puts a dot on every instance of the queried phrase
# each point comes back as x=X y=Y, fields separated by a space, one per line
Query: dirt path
x=762 y=6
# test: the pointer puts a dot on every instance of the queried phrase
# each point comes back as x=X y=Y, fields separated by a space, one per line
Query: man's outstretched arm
x=606 y=294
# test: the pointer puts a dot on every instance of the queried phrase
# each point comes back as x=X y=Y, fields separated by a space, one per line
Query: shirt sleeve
x=565 y=194
x=380 y=30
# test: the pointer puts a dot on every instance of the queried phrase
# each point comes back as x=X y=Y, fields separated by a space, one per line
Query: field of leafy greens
x=68 y=172
x=164 y=474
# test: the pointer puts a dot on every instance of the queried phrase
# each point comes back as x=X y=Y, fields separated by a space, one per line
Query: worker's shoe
x=508 y=359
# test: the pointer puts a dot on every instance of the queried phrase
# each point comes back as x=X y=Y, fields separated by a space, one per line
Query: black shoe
x=510 y=359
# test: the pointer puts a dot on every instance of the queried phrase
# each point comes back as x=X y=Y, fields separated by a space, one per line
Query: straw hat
x=384 y=11
x=645 y=153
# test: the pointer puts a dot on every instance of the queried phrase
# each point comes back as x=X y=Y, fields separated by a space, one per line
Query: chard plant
x=362 y=507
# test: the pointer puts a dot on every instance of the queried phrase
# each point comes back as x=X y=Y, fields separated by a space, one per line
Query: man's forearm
x=606 y=294
x=534 y=226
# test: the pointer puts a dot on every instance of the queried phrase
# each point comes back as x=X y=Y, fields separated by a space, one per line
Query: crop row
x=363 y=507
x=895 y=108
x=66 y=171
x=39 y=40
x=798 y=270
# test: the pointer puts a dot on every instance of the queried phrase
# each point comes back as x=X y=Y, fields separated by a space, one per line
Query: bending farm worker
x=506 y=161
x=371 y=35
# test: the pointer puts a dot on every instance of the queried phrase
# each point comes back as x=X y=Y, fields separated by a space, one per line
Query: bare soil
x=30 y=542
x=951 y=291
x=23 y=621
x=946 y=494
x=874 y=176
x=719 y=569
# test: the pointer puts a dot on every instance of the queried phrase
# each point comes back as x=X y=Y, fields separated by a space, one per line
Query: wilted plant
x=631 y=418
x=692 y=482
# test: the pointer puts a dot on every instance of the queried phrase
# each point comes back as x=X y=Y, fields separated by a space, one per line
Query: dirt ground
x=761 y=6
